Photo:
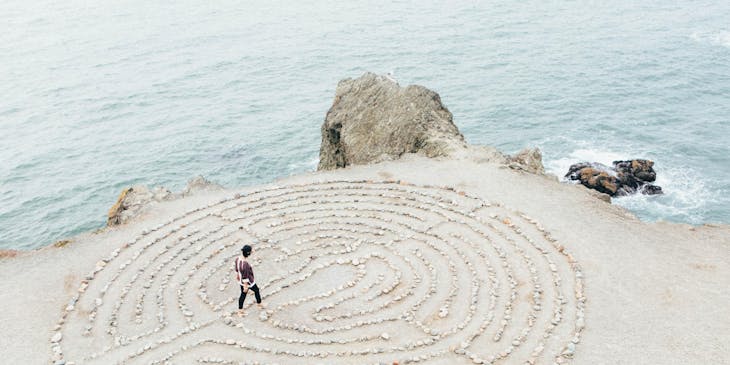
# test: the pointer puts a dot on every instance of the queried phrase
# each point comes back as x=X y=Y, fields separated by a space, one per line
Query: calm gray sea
x=98 y=95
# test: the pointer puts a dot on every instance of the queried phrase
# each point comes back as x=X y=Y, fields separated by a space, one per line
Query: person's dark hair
x=246 y=250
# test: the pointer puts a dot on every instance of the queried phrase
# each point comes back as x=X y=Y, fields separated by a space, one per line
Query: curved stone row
x=350 y=272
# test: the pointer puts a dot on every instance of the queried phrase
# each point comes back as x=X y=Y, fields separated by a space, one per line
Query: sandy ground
x=624 y=291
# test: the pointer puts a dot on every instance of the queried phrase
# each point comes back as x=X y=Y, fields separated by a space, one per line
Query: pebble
x=386 y=233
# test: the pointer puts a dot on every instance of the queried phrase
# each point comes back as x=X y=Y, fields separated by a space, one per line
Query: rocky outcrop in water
x=374 y=119
x=133 y=200
x=623 y=178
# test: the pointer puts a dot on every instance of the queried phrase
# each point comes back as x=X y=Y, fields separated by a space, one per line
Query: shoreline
x=551 y=175
x=614 y=248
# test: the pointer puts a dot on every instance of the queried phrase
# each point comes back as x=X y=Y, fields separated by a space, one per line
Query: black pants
x=242 y=298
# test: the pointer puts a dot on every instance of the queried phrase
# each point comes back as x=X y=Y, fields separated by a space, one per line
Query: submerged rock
x=636 y=175
x=374 y=119
x=623 y=178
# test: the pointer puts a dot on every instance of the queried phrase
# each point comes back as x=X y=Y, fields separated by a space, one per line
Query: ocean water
x=96 y=96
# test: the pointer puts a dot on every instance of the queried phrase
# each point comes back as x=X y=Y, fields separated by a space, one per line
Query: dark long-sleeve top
x=244 y=271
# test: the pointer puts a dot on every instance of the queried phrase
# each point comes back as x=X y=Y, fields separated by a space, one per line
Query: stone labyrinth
x=356 y=272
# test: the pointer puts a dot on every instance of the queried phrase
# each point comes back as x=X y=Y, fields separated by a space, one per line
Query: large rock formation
x=374 y=119
x=624 y=178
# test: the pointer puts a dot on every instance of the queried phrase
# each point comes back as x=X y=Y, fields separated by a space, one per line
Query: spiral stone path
x=351 y=272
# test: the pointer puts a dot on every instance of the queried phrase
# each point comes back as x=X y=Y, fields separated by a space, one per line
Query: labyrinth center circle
x=349 y=272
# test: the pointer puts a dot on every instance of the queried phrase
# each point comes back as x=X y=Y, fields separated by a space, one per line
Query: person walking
x=245 y=278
